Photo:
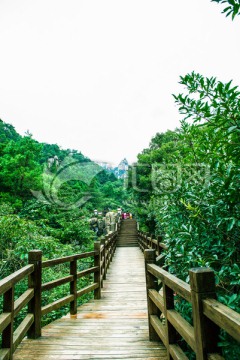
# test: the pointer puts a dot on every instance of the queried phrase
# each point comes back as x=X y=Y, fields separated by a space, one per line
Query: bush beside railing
x=31 y=325
x=209 y=315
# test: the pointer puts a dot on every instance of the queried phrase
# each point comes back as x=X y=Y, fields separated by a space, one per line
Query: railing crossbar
x=209 y=315
x=31 y=324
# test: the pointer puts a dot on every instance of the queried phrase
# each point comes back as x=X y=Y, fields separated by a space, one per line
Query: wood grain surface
x=114 y=327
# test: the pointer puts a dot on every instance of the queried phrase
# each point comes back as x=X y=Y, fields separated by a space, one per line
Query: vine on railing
x=32 y=298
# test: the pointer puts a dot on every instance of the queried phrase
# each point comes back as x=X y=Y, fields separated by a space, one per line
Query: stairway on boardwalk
x=114 y=327
x=128 y=233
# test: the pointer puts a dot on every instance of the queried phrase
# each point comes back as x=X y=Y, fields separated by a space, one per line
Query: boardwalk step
x=128 y=234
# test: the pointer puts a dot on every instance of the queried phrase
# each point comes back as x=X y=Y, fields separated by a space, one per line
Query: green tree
x=192 y=196
x=232 y=8
x=19 y=167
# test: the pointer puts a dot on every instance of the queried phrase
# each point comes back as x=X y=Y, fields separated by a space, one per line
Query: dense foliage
x=187 y=184
x=47 y=196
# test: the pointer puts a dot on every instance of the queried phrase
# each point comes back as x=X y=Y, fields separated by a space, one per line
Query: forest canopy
x=47 y=195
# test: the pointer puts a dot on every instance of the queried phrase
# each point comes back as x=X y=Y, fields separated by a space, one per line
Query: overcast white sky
x=97 y=75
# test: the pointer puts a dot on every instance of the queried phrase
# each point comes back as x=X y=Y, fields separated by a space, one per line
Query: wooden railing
x=208 y=314
x=100 y=258
x=146 y=241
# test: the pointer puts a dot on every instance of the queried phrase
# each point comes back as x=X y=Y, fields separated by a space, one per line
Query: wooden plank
x=4 y=354
x=53 y=262
x=87 y=289
x=113 y=327
x=202 y=282
x=182 y=326
x=21 y=331
x=83 y=273
x=58 y=282
x=156 y=298
x=131 y=343
x=177 y=353
x=159 y=328
x=215 y=357
x=105 y=356
x=73 y=287
x=57 y=304
x=223 y=316
x=177 y=285
x=8 y=307
x=111 y=348
x=22 y=301
x=11 y=280
x=97 y=274
x=171 y=333
x=5 y=319
x=35 y=283
x=151 y=283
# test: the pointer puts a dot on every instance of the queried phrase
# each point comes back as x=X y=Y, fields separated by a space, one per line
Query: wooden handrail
x=179 y=286
x=223 y=316
x=9 y=281
x=208 y=314
x=32 y=297
x=148 y=242
x=53 y=262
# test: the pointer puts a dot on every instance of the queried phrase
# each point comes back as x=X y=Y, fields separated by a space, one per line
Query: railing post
x=151 y=283
x=139 y=240
x=103 y=242
x=159 y=249
x=171 y=333
x=35 y=282
x=108 y=251
x=148 y=241
x=97 y=274
x=151 y=241
x=114 y=244
x=202 y=284
x=145 y=241
x=73 y=288
x=7 y=334
x=118 y=226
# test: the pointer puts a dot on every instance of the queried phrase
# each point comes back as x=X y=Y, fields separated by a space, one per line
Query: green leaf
x=231 y=224
x=232 y=128
x=232 y=299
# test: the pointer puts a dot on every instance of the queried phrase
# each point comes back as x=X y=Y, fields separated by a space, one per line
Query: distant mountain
x=119 y=171
x=122 y=169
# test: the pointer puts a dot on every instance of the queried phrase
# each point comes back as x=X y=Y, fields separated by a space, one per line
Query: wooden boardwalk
x=115 y=327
